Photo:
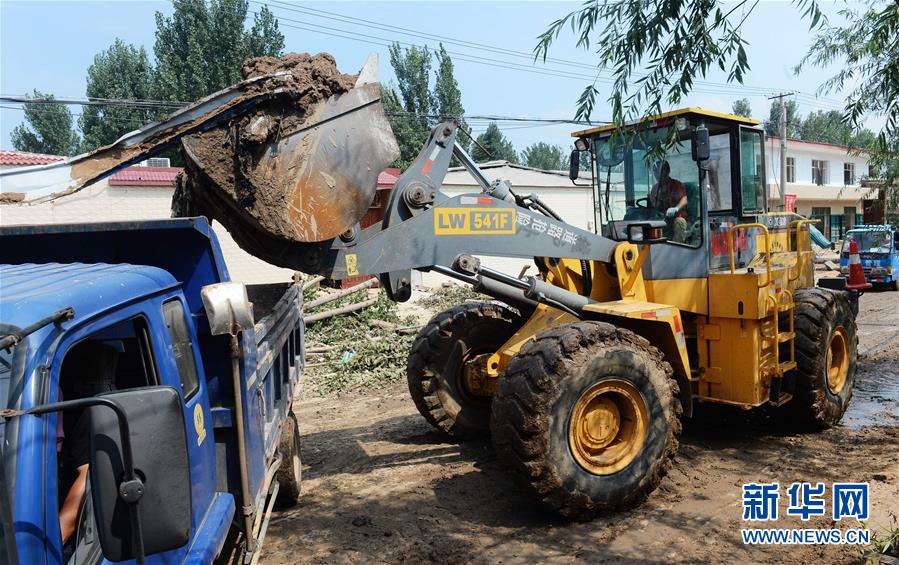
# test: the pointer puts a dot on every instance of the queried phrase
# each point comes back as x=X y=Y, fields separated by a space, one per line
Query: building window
x=819 y=172
x=849 y=217
x=848 y=173
x=791 y=169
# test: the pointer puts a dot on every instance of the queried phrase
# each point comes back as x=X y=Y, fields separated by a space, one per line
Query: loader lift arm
x=425 y=229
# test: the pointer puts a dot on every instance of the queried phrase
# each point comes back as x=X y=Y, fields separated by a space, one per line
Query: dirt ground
x=381 y=486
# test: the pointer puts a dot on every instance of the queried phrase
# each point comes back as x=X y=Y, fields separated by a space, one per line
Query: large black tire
x=539 y=395
x=290 y=474
x=823 y=319
x=436 y=361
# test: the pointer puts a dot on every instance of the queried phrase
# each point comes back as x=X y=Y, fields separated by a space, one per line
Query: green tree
x=865 y=50
x=679 y=41
x=447 y=96
x=48 y=128
x=121 y=72
x=826 y=127
x=495 y=146
x=542 y=155
x=741 y=107
x=413 y=105
x=794 y=120
x=200 y=49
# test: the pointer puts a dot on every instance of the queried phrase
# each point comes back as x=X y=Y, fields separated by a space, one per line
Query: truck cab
x=878 y=248
x=115 y=309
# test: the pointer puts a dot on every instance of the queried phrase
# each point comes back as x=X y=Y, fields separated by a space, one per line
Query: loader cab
x=647 y=171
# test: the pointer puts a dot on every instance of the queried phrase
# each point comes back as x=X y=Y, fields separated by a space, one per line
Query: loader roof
x=696 y=111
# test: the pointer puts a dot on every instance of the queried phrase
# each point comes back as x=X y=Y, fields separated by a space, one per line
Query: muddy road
x=381 y=486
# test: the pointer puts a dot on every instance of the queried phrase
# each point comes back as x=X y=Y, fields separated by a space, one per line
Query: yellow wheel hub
x=837 y=360
x=608 y=426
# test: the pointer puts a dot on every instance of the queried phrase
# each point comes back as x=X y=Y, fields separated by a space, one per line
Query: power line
x=709 y=88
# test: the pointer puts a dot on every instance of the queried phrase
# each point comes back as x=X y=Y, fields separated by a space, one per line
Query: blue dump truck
x=878 y=248
x=146 y=399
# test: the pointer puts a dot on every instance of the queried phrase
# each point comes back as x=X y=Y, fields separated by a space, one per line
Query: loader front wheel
x=826 y=355
x=588 y=415
x=447 y=366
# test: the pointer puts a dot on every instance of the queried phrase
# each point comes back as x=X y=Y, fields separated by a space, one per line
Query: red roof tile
x=145 y=176
x=23 y=158
x=388 y=177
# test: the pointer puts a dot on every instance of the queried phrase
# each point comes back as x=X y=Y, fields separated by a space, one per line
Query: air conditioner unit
x=158 y=162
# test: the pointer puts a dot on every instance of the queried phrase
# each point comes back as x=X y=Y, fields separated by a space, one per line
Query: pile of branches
x=354 y=338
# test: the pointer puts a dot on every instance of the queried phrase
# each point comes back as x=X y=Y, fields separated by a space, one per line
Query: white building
x=135 y=193
x=824 y=181
x=573 y=203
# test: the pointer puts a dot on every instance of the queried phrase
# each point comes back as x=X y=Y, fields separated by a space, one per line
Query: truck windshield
x=634 y=186
x=878 y=242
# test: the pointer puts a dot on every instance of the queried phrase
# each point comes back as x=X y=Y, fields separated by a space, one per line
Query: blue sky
x=49 y=45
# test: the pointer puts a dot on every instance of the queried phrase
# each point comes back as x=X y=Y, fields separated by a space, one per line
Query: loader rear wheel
x=443 y=357
x=290 y=474
x=588 y=415
x=826 y=354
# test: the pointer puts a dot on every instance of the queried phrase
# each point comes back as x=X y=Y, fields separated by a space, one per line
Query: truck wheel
x=290 y=473
x=447 y=365
x=588 y=415
x=826 y=353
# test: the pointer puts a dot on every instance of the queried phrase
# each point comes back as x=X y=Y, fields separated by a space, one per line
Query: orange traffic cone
x=857 y=279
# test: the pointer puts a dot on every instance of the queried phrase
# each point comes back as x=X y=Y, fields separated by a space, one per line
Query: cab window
x=634 y=184
x=182 y=346
x=751 y=172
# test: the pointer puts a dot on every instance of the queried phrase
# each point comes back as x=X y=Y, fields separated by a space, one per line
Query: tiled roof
x=23 y=158
x=145 y=176
x=388 y=177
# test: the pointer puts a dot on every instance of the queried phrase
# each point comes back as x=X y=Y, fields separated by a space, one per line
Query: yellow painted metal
x=837 y=362
x=689 y=295
x=672 y=114
x=661 y=324
x=608 y=426
x=476 y=379
x=764 y=228
x=544 y=318
x=629 y=262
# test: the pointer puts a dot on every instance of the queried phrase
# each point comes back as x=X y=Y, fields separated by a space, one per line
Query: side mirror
x=227 y=307
x=574 y=165
x=700 y=140
x=155 y=417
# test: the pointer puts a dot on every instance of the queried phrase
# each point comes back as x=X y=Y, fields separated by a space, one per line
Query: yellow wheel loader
x=690 y=291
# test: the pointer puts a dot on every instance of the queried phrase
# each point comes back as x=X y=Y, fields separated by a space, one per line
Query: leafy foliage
x=794 y=120
x=362 y=355
x=865 y=50
x=413 y=106
x=48 y=128
x=201 y=47
x=446 y=297
x=544 y=156
x=742 y=108
x=831 y=127
x=124 y=72
x=492 y=145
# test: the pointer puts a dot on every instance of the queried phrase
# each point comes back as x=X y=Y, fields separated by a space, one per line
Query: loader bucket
x=295 y=169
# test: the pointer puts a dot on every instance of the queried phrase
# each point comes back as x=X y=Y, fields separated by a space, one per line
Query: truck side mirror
x=700 y=138
x=574 y=164
x=155 y=417
x=227 y=307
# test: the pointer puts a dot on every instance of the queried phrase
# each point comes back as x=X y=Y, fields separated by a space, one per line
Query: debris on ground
x=353 y=339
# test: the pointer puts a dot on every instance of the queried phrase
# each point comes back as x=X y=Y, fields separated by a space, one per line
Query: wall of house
x=805 y=153
x=103 y=203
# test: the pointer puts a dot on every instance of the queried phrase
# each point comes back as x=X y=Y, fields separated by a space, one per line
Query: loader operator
x=669 y=196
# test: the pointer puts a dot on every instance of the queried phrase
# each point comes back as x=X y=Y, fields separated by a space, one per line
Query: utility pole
x=783 y=148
